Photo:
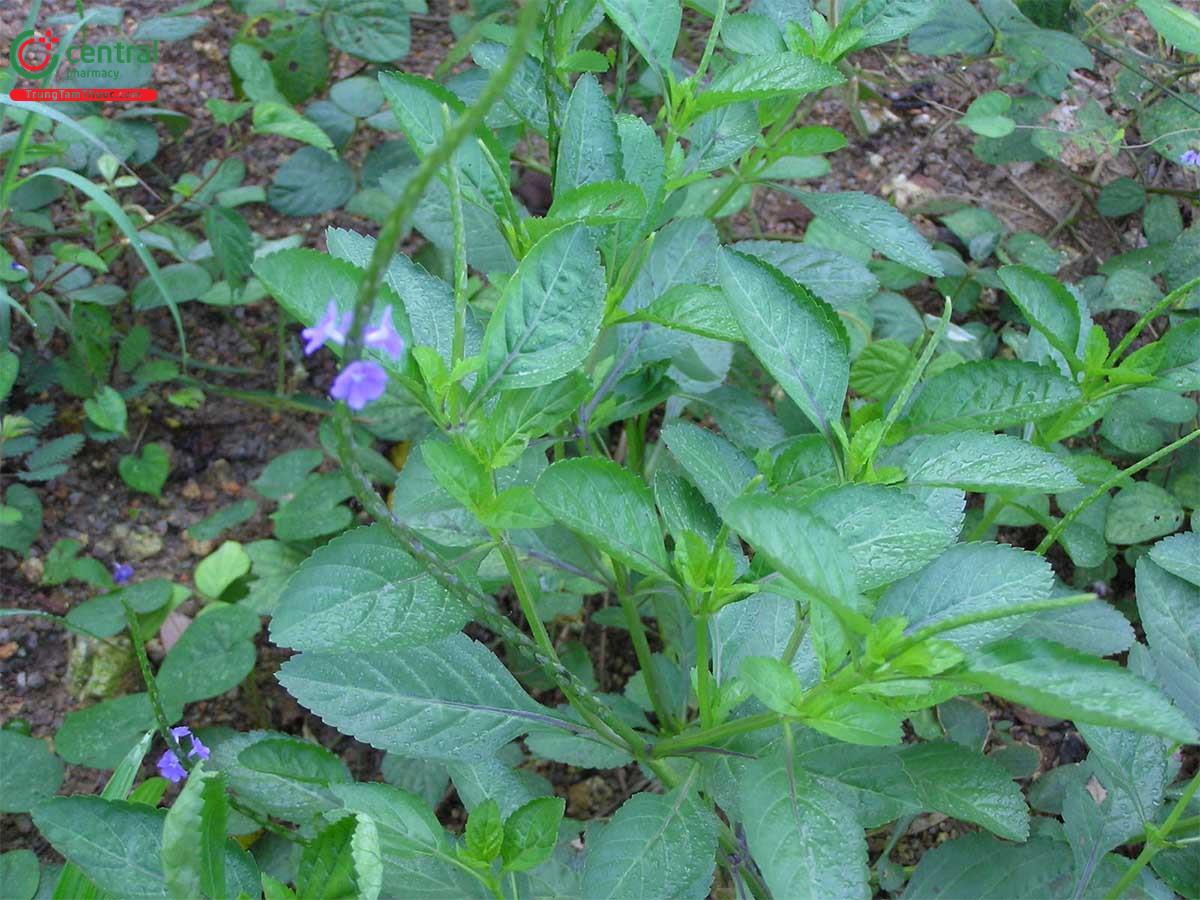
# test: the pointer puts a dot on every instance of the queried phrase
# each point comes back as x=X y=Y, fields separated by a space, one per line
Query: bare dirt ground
x=915 y=155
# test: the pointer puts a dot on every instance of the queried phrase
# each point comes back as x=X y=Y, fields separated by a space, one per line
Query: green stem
x=703 y=675
x=139 y=649
x=641 y=648
x=1151 y=848
x=675 y=746
x=1158 y=309
x=1053 y=534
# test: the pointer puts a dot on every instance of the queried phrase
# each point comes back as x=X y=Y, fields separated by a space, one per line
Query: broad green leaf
x=1046 y=304
x=526 y=413
x=695 y=308
x=19 y=874
x=29 y=772
x=316 y=509
x=589 y=149
x=107 y=410
x=326 y=869
x=367 y=855
x=804 y=839
x=1051 y=679
x=986 y=115
x=146 y=472
x=531 y=833
x=428 y=780
x=213 y=526
x=375 y=30
x=888 y=533
x=282 y=119
x=104 y=616
x=797 y=337
x=608 y=505
x=877 y=224
x=549 y=313
x=100 y=736
x=655 y=845
x=118 y=845
x=221 y=568
x=809 y=553
x=976 y=461
x=720 y=137
x=363 y=591
x=966 y=579
x=1179 y=555
x=213 y=655
x=310 y=182
x=286 y=472
x=716 y=467
x=452 y=699
x=479 y=780
x=881 y=369
x=1121 y=197
x=767 y=77
x=989 y=395
x=19 y=536
x=1178 y=26
x=193 y=838
x=1142 y=512
x=652 y=26
x=279 y=774
x=979 y=866
x=836 y=278
x=1170 y=612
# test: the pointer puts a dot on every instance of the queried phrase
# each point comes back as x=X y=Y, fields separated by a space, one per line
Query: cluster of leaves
x=780 y=476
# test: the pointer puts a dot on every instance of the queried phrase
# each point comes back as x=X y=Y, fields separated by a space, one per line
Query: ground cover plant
x=787 y=542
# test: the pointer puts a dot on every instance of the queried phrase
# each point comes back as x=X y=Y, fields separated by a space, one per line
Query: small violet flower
x=384 y=336
x=1190 y=158
x=169 y=766
x=331 y=327
x=17 y=267
x=122 y=572
x=359 y=383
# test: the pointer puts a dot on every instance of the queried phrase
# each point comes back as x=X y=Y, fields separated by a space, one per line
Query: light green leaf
x=1046 y=304
x=363 y=591
x=655 y=845
x=1051 y=679
x=966 y=579
x=550 y=312
x=452 y=699
x=279 y=774
x=589 y=149
x=876 y=223
x=1179 y=555
x=220 y=569
x=989 y=395
x=19 y=874
x=100 y=736
x=976 y=461
x=1170 y=612
x=987 y=115
x=1178 y=26
x=282 y=119
x=213 y=526
x=1142 y=512
x=213 y=655
x=118 y=845
x=716 y=467
x=797 y=337
x=531 y=833
x=608 y=505
x=652 y=26
x=29 y=772
x=767 y=77
x=695 y=308
x=326 y=869
x=805 y=840
x=888 y=532
x=146 y=472
x=193 y=838
x=107 y=410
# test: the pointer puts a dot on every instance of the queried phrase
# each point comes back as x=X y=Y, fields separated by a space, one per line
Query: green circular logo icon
x=33 y=56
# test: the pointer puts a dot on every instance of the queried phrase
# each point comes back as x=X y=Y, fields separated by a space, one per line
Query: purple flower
x=122 y=572
x=384 y=337
x=1190 y=158
x=359 y=383
x=198 y=751
x=170 y=768
x=17 y=267
x=331 y=327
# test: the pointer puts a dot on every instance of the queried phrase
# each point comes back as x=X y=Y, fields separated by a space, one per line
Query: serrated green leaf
x=989 y=395
x=651 y=27
x=1170 y=612
x=193 y=838
x=975 y=461
x=107 y=410
x=1046 y=304
x=29 y=772
x=877 y=224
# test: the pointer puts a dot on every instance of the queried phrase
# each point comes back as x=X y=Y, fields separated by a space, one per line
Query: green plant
x=753 y=462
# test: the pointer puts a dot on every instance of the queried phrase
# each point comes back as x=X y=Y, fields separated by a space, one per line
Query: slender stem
x=703 y=675
x=1053 y=534
x=711 y=43
x=675 y=746
x=1152 y=847
x=139 y=649
x=641 y=648
x=1158 y=309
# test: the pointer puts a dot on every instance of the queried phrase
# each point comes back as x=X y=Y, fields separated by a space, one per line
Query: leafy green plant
x=752 y=462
